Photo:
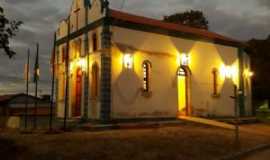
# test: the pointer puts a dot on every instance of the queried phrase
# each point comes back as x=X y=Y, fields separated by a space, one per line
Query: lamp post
x=237 y=92
x=128 y=61
x=236 y=116
x=229 y=72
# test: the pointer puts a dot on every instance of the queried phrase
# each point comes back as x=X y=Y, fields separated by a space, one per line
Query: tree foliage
x=190 y=18
x=8 y=28
x=259 y=51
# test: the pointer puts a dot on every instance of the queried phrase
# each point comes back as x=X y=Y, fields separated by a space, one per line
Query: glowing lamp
x=228 y=71
x=78 y=63
x=128 y=61
x=71 y=67
x=82 y=64
x=247 y=73
x=38 y=72
x=184 y=59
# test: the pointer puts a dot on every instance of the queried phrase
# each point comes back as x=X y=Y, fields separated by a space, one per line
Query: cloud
x=40 y=19
x=14 y=2
x=240 y=19
x=265 y=3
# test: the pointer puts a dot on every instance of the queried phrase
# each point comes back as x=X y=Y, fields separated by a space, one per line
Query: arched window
x=95 y=42
x=79 y=47
x=215 y=81
x=146 y=76
x=62 y=89
x=63 y=57
x=95 y=80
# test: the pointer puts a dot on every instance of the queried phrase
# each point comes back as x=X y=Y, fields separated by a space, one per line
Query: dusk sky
x=239 y=19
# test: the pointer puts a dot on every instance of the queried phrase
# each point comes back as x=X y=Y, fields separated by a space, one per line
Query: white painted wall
x=162 y=51
x=93 y=15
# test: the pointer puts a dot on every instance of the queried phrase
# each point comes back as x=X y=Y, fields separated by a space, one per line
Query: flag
x=26 y=72
x=87 y=3
x=36 y=67
x=26 y=68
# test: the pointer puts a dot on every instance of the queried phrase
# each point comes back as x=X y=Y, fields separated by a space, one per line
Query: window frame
x=95 y=81
x=63 y=52
x=94 y=42
x=215 y=74
x=146 y=66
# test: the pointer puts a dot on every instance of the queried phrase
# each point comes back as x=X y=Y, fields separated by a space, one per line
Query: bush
x=263 y=113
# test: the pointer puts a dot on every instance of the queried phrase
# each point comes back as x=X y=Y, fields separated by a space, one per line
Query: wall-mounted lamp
x=184 y=59
x=82 y=63
x=248 y=74
x=78 y=63
x=228 y=71
x=128 y=61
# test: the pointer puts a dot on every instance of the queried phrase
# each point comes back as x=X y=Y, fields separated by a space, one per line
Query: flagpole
x=27 y=90
x=36 y=85
x=53 y=81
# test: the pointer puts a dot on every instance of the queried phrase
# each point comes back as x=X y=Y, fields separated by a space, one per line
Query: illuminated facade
x=122 y=66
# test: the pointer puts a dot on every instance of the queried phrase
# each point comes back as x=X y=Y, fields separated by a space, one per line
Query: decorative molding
x=106 y=62
x=81 y=31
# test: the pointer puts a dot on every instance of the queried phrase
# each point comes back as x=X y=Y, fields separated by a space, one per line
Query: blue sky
x=239 y=19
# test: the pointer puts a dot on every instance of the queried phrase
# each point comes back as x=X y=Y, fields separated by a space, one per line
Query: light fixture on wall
x=78 y=63
x=81 y=62
x=248 y=74
x=228 y=71
x=184 y=59
x=128 y=60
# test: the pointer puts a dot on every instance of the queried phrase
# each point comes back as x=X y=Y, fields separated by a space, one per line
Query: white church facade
x=113 y=65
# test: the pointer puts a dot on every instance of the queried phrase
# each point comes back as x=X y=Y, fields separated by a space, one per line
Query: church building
x=113 y=65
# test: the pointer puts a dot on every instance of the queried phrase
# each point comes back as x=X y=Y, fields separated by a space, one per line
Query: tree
x=190 y=18
x=8 y=28
x=259 y=52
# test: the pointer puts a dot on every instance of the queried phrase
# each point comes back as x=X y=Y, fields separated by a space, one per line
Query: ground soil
x=184 y=142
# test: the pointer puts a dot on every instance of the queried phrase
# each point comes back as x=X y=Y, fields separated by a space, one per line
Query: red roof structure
x=204 y=34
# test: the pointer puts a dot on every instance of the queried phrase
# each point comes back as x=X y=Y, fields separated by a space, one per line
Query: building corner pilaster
x=105 y=84
x=241 y=97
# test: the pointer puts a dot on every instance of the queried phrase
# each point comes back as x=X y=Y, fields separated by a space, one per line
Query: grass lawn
x=185 y=142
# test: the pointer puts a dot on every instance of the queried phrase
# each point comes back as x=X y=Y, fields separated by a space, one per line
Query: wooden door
x=182 y=92
x=78 y=95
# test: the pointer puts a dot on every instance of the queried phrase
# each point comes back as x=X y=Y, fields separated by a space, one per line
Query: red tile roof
x=172 y=27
